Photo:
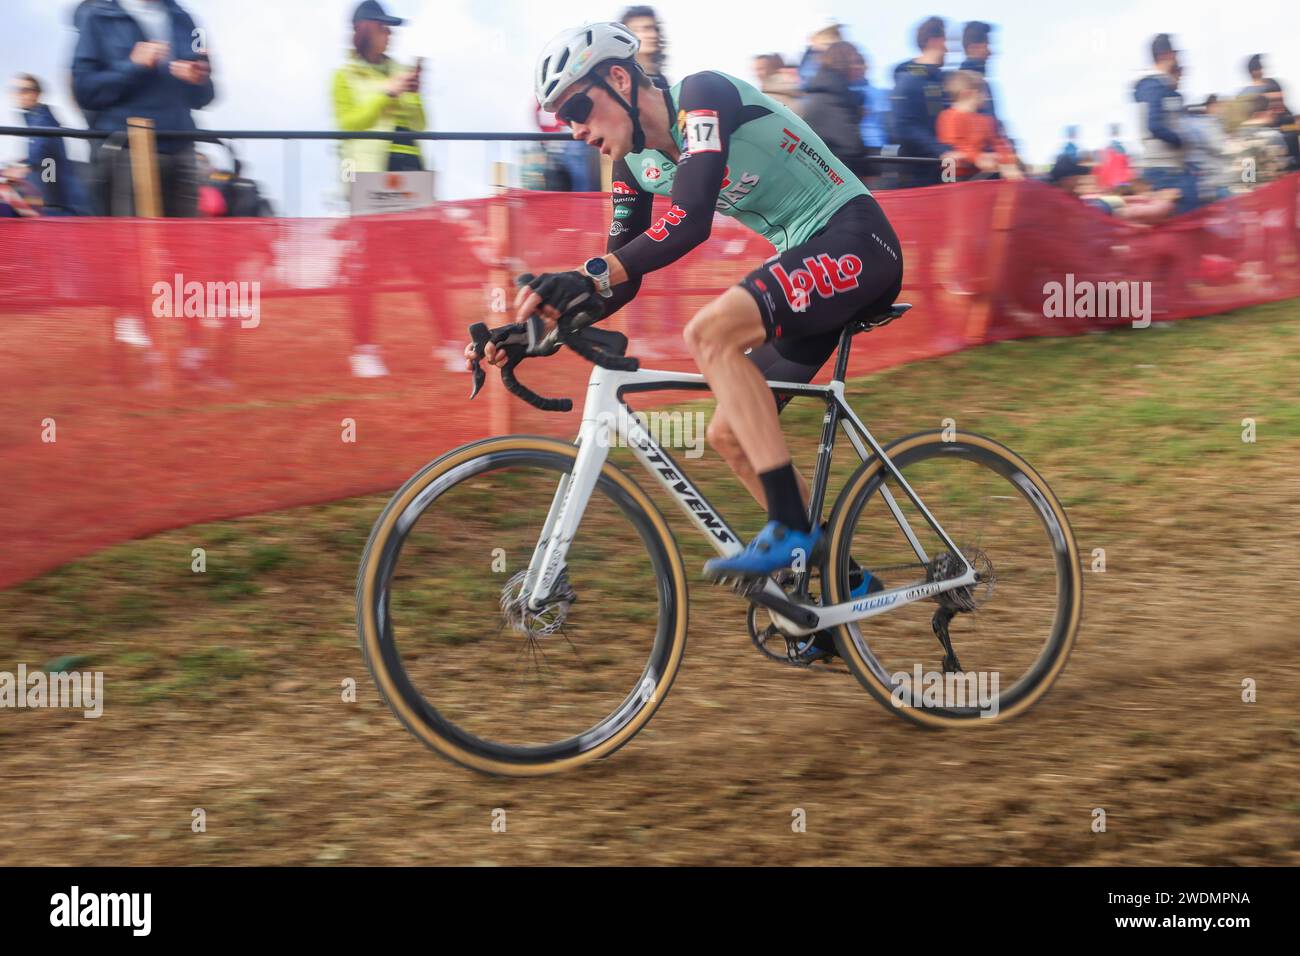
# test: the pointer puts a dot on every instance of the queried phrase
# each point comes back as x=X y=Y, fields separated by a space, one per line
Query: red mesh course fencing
x=129 y=403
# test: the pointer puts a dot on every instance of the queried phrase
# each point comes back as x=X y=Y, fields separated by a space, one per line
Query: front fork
x=565 y=514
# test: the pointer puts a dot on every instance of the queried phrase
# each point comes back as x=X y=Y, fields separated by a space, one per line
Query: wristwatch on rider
x=597 y=270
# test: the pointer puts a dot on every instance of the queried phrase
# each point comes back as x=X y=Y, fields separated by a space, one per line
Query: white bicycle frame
x=605 y=413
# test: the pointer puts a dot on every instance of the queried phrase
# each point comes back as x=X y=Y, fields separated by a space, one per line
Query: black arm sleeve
x=698 y=180
x=633 y=208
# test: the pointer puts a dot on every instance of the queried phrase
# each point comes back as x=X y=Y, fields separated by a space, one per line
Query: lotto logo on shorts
x=824 y=273
x=620 y=188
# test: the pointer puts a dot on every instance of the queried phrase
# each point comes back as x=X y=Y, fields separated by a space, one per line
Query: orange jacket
x=971 y=135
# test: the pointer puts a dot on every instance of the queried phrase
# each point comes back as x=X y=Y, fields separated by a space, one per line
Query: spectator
x=1075 y=177
x=1161 y=120
x=79 y=15
x=975 y=44
x=973 y=134
x=817 y=44
x=1256 y=152
x=1113 y=169
x=1204 y=145
x=1259 y=84
x=1071 y=148
x=139 y=58
x=375 y=93
x=653 y=53
x=918 y=100
x=777 y=80
x=1283 y=119
x=875 y=121
x=48 y=167
x=833 y=108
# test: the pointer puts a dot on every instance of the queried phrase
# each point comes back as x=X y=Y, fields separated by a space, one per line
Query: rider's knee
x=701 y=334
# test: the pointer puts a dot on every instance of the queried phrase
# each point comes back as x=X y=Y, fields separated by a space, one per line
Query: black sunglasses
x=577 y=109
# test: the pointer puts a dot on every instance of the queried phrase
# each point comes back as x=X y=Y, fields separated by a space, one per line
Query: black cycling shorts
x=850 y=268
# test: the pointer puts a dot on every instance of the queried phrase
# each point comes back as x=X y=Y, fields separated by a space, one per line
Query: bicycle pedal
x=742 y=585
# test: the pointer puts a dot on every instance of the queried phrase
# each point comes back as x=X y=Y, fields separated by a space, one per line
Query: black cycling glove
x=566 y=292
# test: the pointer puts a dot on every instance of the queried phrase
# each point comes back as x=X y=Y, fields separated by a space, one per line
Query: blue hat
x=371 y=10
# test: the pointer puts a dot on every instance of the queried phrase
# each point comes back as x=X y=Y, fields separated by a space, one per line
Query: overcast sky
x=1055 y=64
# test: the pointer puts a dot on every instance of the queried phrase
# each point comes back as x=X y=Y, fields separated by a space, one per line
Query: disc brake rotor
x=519 y=617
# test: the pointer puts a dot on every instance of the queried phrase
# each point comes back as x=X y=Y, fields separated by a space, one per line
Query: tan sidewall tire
x=848 y=648
x=369 y=629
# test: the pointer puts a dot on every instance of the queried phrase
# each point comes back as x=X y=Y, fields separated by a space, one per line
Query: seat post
x=842 y=358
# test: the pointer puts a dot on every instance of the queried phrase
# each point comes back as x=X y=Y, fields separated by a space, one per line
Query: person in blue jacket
x=1164 y=163
x=917 y=101
x=975 y=44
x=142 y=58
x=49 y=169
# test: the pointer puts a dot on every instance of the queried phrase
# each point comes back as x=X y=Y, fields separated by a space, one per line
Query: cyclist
x=715 y=143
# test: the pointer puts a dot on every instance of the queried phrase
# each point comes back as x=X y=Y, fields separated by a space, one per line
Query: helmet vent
x=564 y=58
x=590 y=41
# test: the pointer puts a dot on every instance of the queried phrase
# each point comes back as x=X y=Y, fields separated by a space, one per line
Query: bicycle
x=444 y=686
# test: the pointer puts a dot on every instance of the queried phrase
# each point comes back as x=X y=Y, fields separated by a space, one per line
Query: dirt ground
x=233 y=706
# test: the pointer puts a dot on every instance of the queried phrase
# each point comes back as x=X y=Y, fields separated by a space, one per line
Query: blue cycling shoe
x=772 y=549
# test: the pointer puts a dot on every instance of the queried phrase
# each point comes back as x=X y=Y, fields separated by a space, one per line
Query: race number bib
x=702 y=132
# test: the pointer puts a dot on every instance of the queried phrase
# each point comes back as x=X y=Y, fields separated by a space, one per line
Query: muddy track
x=1147 y=723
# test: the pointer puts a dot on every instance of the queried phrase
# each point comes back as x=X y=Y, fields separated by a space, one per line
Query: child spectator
x=971 y=134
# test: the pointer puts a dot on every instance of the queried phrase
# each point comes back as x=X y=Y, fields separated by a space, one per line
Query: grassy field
x=224 y=689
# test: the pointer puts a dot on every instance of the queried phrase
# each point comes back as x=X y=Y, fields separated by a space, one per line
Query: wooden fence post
x=146 y=195
x=144 y=167
x=999 y=239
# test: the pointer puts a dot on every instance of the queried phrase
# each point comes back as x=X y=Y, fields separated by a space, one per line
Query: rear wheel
x=457 y=653
x=1009 y=634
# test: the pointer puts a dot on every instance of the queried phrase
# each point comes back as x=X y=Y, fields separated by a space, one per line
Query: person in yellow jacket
x=373 y=92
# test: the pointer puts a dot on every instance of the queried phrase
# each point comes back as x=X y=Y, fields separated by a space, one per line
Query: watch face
x=597 y=266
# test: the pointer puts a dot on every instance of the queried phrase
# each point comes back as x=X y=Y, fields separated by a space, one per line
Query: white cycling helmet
x=574 y=53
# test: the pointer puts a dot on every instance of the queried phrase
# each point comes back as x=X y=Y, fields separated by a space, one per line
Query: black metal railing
x=290 y=157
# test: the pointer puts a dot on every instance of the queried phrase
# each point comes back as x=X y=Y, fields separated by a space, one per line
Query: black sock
x=784 y=504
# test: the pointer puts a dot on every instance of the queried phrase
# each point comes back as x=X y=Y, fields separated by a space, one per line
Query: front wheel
x=979 y=654
x=459 y=656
